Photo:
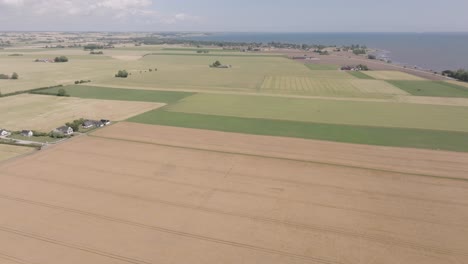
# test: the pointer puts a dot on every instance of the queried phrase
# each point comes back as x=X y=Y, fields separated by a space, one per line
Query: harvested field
x=44 y=113
x=319 y=67
x=464 y=84
x=230 y=198
x=393 y=75
x=324 y=74
x=329 y=87
x=10 y=151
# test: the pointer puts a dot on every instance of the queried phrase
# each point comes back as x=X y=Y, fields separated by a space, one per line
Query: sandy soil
x=416 y=161
x=44 y=113
x=127 y=58
x=10 y=151
x=101 y=200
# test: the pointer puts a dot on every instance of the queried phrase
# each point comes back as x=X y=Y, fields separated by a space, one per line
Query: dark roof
x=63 y=129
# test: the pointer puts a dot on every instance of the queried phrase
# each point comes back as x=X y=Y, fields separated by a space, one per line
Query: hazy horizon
x=300 y=16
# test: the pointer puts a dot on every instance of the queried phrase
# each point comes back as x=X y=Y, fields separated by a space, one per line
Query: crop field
x=105 y=93
x=431 y=88
x=318 y=67
x=329 y=87
x=35 y=74
x=192 y=72
x=379 y=114
x=251 y=200
x=381 y=136
x=44 y=113
x=360 y=75
x=330 y=74
x=10 y=151
x=392 y=75
x=459 y=83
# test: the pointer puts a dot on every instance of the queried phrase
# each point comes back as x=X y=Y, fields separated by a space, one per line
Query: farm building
x=27 y=133
x=4 y=133
x=105 y=122
x=66 y=130
x=45 y=60
x=92 y=123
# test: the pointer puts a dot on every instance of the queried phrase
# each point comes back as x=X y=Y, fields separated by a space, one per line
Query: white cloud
x=180 y=17
x=99 y=11
x=13 y=3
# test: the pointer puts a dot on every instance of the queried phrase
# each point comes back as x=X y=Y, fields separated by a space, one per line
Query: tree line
x=14 y=76
x=461 y=74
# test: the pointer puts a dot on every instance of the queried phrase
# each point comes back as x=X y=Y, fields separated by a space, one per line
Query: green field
x=431 y=88
x=304 y=85
x=84 y=91
x=380 y=114
x=396 y=137
x=360 y=75
x=319 y=67
x=193 y=72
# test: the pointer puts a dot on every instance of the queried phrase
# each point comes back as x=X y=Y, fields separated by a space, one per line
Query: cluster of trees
x=461 y=74
x=359 y=51
x=242 y=46
x=203 y=51
x=76 y=124
x=14 y=76
x=62 y=92
x=93 y=47
x=82 y=81
x=216 y=64
x=61 y=59
x=96 y=52
x=371 y=57
x=122 y=74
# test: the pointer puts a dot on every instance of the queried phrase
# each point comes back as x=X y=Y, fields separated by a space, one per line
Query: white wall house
x=4 y=133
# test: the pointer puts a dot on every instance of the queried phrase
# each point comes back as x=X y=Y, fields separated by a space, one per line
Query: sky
x=235 y=16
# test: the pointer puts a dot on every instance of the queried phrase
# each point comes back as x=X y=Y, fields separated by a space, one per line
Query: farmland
x=360 y=75
x=381 y=136
x=269 y=160
x=10 y=151
x=327 y=67
x=436 y=89
x=44 y=113
x=105 y=93
x=187 y=189
x=329 y=87
x=328 y=111
x=392 y=75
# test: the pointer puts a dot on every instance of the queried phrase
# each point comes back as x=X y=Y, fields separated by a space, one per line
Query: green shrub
x=122 y=74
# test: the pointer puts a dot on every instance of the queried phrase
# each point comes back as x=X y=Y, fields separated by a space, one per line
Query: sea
x=429 y=51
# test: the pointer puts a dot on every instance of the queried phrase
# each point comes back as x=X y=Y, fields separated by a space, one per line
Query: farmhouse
x=105 y=122
x=4 y=133
x=65 y=130
x=45 y=60
x=27 y=133
x=91 y=123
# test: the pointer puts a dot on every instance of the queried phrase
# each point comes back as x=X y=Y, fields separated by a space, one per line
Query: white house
x=27 y=133
x=4 y=133
x=66 y=130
